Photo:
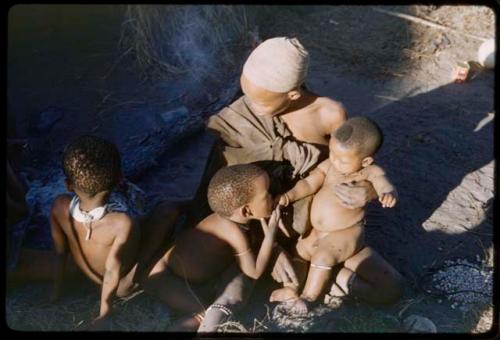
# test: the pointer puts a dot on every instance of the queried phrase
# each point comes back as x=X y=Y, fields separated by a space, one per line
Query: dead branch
x=427 y=23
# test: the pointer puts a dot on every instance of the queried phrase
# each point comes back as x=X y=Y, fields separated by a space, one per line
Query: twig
x=427 y=23
x=411 y=302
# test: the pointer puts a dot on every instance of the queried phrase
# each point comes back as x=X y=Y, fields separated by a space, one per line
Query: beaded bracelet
x=222 y=308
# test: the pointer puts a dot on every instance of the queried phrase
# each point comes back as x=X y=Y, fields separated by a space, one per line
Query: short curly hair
x=232 y=187
x=92 y=163
x=361 y=133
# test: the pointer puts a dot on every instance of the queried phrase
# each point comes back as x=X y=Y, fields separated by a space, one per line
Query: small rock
x=419 y=324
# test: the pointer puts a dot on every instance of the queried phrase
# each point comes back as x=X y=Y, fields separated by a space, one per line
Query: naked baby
x=337 y=232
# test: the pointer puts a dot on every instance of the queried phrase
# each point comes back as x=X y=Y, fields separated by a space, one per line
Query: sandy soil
x=438 y=151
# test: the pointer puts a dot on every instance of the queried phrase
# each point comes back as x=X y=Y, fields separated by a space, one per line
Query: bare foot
x=301 y=307
x=283 y=294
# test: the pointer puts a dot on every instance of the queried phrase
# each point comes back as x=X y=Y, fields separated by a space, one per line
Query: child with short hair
x=337 y=232
x=215 y=262
x=95 y=227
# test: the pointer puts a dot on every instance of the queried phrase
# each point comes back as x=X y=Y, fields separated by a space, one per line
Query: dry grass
x=173 y=40
x=27 y=311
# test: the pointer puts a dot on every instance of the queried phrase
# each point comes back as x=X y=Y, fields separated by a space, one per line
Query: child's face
x=264 y=102
x=345 y=160
x=262 y=202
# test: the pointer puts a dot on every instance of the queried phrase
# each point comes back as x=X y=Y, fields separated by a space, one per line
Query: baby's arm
x=244 y=254
x=308 y=185
x=113 y=264
x=61 y=249
x=387 y=194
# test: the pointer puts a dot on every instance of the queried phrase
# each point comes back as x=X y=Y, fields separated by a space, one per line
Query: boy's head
x=354 y=143
x=91 y=165
x=241 y=190
x=273 y=74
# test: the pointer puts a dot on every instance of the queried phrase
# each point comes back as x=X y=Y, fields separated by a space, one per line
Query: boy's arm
x=308 y=185
x=385 y=190
x=250 y=266
x=113 y=265
x=61 y=249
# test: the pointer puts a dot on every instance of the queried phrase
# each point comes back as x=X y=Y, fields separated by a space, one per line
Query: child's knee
x=324 y=257
x=236 y=294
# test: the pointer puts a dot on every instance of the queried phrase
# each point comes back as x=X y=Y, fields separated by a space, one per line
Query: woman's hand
x=355 y=194
x=283 y=271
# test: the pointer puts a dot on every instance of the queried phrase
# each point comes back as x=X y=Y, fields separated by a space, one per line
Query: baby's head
x=240 y=190
x=354 y=143
x=91 y=165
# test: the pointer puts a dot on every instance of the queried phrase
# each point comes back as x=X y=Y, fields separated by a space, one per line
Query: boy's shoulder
x=120 y=221
x=221 y=226
x=61 y=204
x=214 y=220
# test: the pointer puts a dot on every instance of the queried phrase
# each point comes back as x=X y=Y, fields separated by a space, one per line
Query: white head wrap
x=277 y=65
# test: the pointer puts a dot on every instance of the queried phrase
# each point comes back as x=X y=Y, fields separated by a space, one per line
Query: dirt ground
x=438 y=151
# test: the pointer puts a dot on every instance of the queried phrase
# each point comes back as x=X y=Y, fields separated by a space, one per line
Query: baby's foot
x=283 y=294
x=301 y=306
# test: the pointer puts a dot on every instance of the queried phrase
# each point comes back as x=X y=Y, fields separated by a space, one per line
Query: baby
x=216 y=261
x=104 y=241
x=338 y=232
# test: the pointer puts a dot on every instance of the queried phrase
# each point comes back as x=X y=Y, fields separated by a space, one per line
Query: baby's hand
x=284 y=200
x=389 y=199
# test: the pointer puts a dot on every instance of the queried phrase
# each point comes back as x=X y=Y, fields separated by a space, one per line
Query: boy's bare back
x=204 y=251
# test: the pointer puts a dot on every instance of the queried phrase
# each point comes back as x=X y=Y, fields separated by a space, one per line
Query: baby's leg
x=334 y=248
x=237 y=288
x=370 y=277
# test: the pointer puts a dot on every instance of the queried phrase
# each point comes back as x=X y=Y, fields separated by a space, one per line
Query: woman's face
x=261 y=101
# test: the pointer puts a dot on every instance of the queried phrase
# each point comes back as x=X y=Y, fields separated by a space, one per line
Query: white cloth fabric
x=95 y=214
x=278 y=64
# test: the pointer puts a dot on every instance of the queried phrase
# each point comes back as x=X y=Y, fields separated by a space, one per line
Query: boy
x=204 y=257
x=338 y=232
x=94 y=226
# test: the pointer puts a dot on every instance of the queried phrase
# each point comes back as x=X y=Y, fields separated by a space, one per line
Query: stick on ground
x=427 y=23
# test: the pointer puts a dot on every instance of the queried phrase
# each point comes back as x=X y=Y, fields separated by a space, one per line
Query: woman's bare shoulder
x=332 y=112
